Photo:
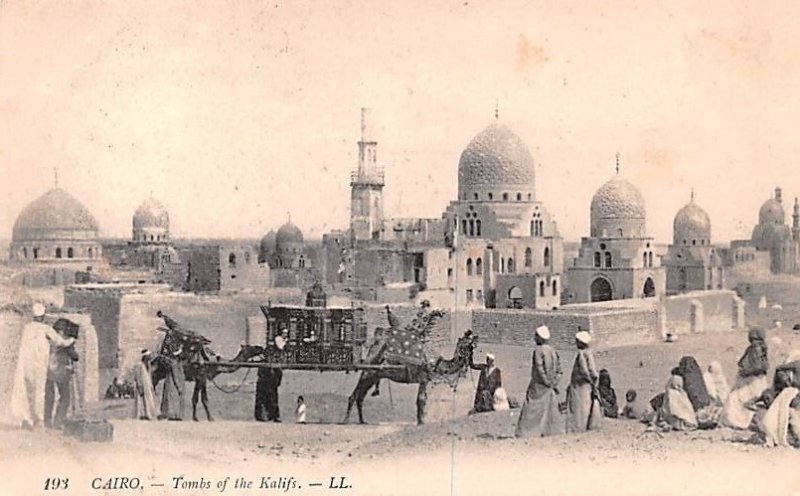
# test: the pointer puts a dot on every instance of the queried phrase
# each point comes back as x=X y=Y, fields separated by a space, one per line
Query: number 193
x=53 y=483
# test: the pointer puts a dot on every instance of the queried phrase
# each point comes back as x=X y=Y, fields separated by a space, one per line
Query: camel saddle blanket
x=92 y=431
x=404 y=347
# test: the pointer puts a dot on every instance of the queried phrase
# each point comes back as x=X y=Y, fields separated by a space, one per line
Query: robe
x=776 y=422
x=540 y=416
x=172 y=396
x=583 y=408
x=145 y=394
x=488 y=382
x=27 y=395
x=751 y=382
x=677 y=411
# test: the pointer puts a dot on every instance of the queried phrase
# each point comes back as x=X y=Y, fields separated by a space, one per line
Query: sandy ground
x=452 y=454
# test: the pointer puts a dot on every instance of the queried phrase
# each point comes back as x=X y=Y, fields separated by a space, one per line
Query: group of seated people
x=120 y=390
x=697 y=399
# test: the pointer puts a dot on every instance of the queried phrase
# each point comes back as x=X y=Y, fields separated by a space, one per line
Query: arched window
x=24 y=252
x=608 y=259
x=533 y=228
x=528 y=257
x=505 y=196
x=597 y=259
x=301 y=262
x=70 y=253
x=91 y=252
x=555 y=287
x=644 y=259
x=36 y=252
x=502 y=265
x=650 y=259
x=619 y=233
x=476 y=196
x=546 y=258
x=464 y=227
x=469 y=266
x=471 y=227
x=519 y=196
x=491 y=196
x=58 y=252
x=232 y=260
x=510 y=265
x=541 y=288
x=694 y=242
x=478 y=227
x=478 y=267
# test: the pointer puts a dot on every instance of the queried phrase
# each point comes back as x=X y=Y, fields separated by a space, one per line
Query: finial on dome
x=691 y=195
x=617 y=162
x=496 y=109
x=289 y=216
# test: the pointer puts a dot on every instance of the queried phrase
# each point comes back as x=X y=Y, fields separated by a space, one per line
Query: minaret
x=796 y=221
x=366 y=185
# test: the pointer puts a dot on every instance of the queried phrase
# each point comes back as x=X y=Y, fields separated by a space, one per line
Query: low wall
x=702 y=311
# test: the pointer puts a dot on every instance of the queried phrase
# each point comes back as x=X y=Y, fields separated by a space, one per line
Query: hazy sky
x=233 y=113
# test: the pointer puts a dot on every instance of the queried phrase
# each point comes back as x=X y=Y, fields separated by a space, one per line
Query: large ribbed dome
x=151 y=213
x=618 y=209
x=496 y=161
x=691 y=225
x=54 y=215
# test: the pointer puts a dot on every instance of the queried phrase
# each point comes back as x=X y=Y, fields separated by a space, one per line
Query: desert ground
x=454 y=453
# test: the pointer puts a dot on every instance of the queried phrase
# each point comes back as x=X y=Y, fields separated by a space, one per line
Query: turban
x=543 y=332
x=490 y=356
x=584 y=337
x=38 y=310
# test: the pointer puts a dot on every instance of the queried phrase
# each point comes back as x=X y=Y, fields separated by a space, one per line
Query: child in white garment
x=300 y=413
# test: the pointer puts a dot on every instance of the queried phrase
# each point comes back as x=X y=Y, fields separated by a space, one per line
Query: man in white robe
x=27 y=396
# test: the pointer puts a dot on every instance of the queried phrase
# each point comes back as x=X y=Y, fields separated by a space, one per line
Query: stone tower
x=796 y=221
x=366 y=185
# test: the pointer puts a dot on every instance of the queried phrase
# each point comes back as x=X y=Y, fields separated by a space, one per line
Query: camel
x=447 y=370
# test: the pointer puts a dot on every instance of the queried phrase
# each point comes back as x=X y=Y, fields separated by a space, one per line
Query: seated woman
x=705 y=408
x=608 y=397
x=716 y=384
x=677 y=412
x=780 y=423
x=751 y=381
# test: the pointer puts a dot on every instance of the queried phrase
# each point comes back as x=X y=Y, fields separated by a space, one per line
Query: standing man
x=27 y=397
x=59 y=374
x=583 y=408
x=488 y=382
x=540 y=415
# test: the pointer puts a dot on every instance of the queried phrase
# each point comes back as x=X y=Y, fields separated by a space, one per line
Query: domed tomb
x=691 y=226
x=55 y=226
x=496 y=165
x=771 y=231
x=267 y=246
x=618 y=210
x=151 y=222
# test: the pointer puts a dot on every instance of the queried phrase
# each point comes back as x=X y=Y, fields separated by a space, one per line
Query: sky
x=235 y=114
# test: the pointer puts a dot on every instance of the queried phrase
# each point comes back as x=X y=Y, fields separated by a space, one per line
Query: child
x=633 y=409
x=300 y=413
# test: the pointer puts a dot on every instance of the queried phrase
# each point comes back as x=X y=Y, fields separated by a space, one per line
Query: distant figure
x=607 y=395
x=145 y=394
x=300 y=412
x=267 y=407
x=488 y=382
x=59 y=375
x=635 y=409
x=751 y=381
x=540 y=415
x=113 y=390
x=282 y=339
x=27 y=395
x=583 y=407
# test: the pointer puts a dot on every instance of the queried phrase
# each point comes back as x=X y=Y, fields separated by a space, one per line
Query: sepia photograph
x=344 y=248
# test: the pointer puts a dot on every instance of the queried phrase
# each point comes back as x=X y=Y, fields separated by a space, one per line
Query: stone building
x=692 y=263
x=150 y=246
x=506 y=249
x=292 y=261
x=220 y=267
x=616 y=261
x=366 y=185
x=54 y=239
x=772 y=235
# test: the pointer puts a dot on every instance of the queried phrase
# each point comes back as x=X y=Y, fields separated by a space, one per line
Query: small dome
x=50 y=215
x=496 y=161
x=268 y=242
x=772 y=212
x=288 y=233
x=691 y=223
x=618 y=205
x=151 y=213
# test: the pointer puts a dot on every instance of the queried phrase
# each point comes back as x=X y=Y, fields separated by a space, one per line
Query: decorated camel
x=403 y=346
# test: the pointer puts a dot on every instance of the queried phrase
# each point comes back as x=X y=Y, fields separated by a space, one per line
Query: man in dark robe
x=488 y=382
x=59 y=375
x=174 y=385
x=267 y=407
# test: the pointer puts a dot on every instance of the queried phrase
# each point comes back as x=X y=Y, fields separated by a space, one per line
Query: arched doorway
x=515 y=297
x=601 y=290
x=649 y=288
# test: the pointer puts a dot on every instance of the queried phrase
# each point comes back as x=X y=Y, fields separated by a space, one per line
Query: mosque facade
x=772 y=235
x=616 y=261
x=692 y=262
